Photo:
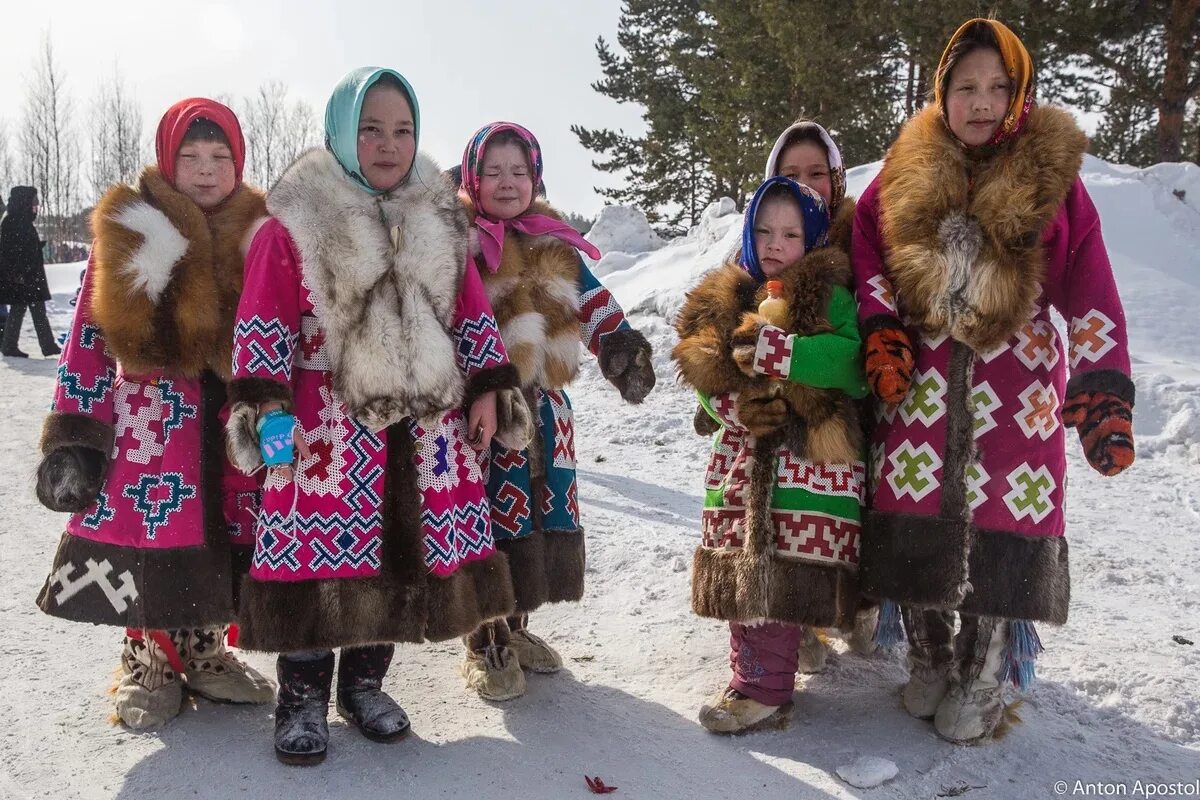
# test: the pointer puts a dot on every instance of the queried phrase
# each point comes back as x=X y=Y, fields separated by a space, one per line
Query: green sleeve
x=832 y=360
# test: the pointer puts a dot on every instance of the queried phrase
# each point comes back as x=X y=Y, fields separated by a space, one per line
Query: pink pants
x=764 y=658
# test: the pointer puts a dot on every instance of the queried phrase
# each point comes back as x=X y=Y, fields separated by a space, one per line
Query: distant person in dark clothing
x=23 y=273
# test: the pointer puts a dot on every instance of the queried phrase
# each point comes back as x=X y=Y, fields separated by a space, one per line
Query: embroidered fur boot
x=732 y=712
x=974 y=707
x=491 y=667
x=930 y=660
x=149 y=693
x=532 y=652
x=212 y=671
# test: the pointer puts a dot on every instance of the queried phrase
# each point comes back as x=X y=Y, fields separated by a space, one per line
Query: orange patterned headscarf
x=1017 y=63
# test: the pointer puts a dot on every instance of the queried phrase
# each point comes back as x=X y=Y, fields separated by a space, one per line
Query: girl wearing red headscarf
x=134 y=447
x=976 y=227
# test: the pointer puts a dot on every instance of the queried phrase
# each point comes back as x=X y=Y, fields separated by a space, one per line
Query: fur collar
x=385 y=273
x=534 y=294
x=714 y=309
x=167 y=278
x=962 y=236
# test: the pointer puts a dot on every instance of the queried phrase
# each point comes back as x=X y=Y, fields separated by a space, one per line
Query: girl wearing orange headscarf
x=976 y=227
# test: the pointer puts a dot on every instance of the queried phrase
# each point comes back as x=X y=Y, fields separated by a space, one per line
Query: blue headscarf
x=342 y=113
x=812 y=210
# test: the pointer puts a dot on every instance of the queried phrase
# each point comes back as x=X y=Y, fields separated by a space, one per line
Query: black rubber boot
x=301 y=727
x=360 y=696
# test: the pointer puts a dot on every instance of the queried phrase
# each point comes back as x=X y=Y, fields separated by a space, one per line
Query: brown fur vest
x=167 y=277
x=962 y=232
x=535 y=297
x=825 y=428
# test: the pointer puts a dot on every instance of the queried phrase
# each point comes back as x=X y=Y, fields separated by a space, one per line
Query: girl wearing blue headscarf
x=365 y=338
x=783 y=490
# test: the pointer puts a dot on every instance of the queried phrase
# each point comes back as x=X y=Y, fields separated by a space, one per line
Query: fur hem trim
x=282 y=616
x=918 y=561
x=1112 y=381
x=65 y=430
x=547 y=567
x=161 y=587
x=727 y=584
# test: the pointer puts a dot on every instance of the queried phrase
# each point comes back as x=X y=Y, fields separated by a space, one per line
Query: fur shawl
x=385 y=274
x=535 y=296
x=962 y=234
x=825 y=424
x=167 y=277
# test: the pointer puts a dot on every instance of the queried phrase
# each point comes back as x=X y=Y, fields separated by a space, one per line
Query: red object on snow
x=598 y=786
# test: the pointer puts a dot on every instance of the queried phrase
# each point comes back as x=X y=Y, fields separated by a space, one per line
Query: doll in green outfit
x=785 y=483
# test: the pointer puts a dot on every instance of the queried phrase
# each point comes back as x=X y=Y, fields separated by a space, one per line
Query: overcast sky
x=470 y=61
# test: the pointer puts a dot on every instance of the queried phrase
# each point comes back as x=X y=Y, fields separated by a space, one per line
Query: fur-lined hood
x=962 y=231
x=385 y=273
x=167 y=276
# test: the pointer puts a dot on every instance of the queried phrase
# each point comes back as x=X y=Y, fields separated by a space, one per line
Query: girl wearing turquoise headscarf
x=364 y=328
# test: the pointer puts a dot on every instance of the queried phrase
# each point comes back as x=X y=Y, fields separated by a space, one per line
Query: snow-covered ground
x=1117 y=700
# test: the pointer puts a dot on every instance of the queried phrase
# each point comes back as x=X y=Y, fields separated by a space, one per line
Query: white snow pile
x=867 y=772
x=1151 y=225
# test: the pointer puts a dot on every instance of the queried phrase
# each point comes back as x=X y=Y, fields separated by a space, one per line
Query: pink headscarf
x=491 y=231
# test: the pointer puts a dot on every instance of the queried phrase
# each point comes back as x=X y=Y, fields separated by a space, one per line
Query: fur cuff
x=241 y=437
x=1113 y=381
x=625 y=361
x=514 y=420
x=878 y=322
x=260 y=390
x=64 y=430
x=492 y=379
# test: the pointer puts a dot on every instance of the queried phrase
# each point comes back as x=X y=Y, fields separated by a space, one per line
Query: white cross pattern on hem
x=97 y=574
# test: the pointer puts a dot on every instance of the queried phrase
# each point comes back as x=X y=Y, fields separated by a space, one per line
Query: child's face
x=387 y=142
x=778 y=235
x=977 y=96
x=505 y=181
x=204 y=171
x=806 y=162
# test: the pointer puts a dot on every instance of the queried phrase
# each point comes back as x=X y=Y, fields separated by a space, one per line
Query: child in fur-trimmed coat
x=160 y=533
x=784 y=486
x=547 y=303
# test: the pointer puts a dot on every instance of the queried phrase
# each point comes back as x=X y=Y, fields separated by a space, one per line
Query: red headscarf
x=174 y=124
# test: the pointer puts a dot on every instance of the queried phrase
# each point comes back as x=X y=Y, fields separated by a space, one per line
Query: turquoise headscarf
x=342 y=113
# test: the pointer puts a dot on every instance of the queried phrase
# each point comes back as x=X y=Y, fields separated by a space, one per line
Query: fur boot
x=930 y=660
x=301 y=724
x=212 y=671
x=731 y=712
x=974 y=707
x=812 y=654
x=149 y=693
x=360 y=695
x=491 y=667
x=532 y=652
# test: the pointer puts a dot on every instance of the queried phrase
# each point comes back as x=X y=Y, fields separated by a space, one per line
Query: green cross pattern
x=1036 y=490
x=981 y=401
x=922 y=400
x=914 y=464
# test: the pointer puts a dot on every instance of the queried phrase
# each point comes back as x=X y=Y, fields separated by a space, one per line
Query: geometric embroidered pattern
x=157 y=497
x=836 y=480
x=912 y=470
x=346 y=551
x=601 y=315
x=725 y=406
x=87 y=336
x=1030 y=492
x=881 y=290
x=926 y=400
x=263 y=346
x=85 y=396
x=1037 y=344
x=1038 y=414
x=1091 y=337
x=564 y=430
x=177 y=409
x=95 y=574
x=816 y=536
x=479 y=344
x=720 y=462
x=977 y=478
x=103 y=512
x=267 y=553
x=457 y=534
x=985 y=403
x=137 y=423
x=313 y=354
x=773 y=353
x=510 y=509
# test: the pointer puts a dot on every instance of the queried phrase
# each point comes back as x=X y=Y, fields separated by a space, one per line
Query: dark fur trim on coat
x=123 y=586
x=625 y=360
x=1113 y=381
x=547 y=567
x=919 y=561
x=961 y=233
x=259 y=390
x=403 y=603
x=168 y=276
x=76 y=430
